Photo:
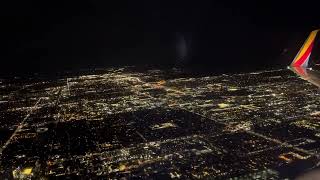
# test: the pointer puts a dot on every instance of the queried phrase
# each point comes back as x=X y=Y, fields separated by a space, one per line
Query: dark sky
x=52 y=36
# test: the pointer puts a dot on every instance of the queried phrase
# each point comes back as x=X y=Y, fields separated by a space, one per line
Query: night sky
x=217 y=36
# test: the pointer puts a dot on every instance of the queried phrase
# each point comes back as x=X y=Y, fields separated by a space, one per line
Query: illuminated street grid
x=159 y=124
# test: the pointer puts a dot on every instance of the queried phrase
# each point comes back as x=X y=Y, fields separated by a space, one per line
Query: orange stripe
x=303 y=58
x=306 y=45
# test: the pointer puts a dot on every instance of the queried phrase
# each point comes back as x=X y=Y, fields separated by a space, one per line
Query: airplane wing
x=303 y=56
x=309 y=75
x=300 y=64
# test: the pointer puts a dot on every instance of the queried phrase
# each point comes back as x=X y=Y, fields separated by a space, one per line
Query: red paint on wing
x=304 y=57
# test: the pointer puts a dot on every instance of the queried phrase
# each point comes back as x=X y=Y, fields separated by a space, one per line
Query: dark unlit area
x=217 y=36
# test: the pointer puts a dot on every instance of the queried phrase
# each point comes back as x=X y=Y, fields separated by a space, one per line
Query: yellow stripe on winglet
x=305 y=46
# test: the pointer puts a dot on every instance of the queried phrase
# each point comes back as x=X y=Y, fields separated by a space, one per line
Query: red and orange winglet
x=303 y=56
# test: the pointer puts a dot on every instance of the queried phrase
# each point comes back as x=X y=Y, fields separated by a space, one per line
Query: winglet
x=303 y=56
